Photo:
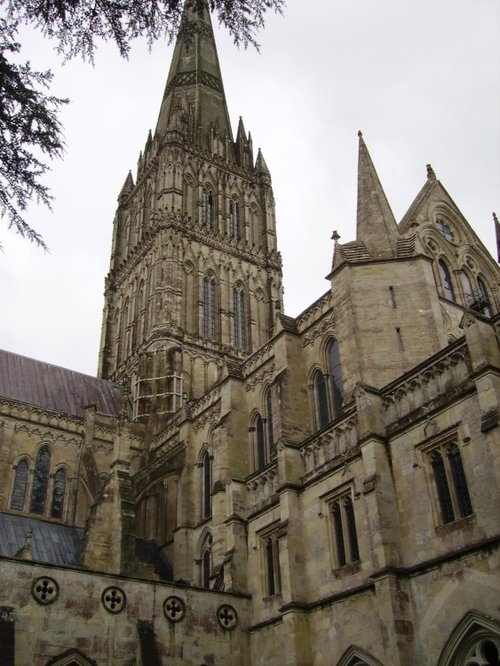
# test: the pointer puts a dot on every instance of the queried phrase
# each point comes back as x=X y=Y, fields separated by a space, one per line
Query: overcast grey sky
x=421 y=79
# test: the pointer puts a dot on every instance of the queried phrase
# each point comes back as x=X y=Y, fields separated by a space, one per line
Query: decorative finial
x=335 y=235
x=360 y=133
x=495 y=218
x=430 y=172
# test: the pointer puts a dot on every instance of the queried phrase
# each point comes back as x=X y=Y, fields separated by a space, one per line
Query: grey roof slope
x=51 y=543
x=55 y=388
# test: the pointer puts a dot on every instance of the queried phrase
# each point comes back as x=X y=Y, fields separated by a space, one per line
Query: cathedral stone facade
x=239 y=487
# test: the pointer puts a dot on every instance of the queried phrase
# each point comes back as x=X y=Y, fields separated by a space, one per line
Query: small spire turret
x=376 y=226
x=497 y=234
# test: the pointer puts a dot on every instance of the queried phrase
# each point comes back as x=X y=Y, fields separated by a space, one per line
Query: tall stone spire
x=376 y=226
x=194 y=102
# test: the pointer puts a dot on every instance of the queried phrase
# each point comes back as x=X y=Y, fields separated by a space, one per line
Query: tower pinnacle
x=194 y=102
x=376 y=225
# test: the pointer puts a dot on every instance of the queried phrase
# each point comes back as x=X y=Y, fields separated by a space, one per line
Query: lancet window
x=344 y=530
x=450 y=482
x=40 y=481
x=209 y=324
x=444 y=271
x=234 y=220
x=336 y=383
x=206 y=485
x=208 y=208
x=240 y=318
x=20 y=486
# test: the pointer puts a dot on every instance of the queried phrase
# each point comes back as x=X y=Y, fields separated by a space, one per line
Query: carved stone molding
x=267 y=373
x=47 y=434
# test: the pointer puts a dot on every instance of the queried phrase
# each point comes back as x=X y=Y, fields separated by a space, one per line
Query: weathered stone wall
x=78 y=619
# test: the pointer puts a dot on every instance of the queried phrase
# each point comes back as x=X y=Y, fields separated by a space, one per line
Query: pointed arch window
x=20 y=486
x=485 y=298
x=321 y=397
x=206 y=562
x=40 y=481
x=209 y=326
x=240 y=318
x=272 y=564
x=337 y=385
x=269 y=421
x=450 y=482
x=449 y=292
x=208 y=208
x=206 y=467
x=58 y=494
x=260 y=443
x=234 y=220
x=344 y=530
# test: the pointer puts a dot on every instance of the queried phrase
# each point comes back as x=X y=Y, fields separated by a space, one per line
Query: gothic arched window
x=58 y=494
x=208 y=208
x=234 y=220
x=272 y=563
x=485 y=298
x=240 y=318
x=206 y=561
x=344 y=531
x=260 y=443
x=40 y=480
x=321 y=397
x=206 y=467
x=467 y=287
x=209 y=327
x=337 y=385
x=446 y=280
x=270 y=423
x=451 y=484
x=20 y=486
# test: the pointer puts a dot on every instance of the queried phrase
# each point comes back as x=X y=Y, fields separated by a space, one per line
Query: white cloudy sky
x=420 y=78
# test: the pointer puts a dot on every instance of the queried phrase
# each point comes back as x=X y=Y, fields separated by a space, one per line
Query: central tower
x=195 y=275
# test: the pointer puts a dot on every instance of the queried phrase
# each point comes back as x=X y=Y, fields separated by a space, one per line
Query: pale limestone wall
x=441 y=597
x=424 y=536
x=78 y=619
x=367 y=318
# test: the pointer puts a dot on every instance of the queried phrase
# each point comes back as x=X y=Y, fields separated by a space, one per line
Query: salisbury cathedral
x=239 y=487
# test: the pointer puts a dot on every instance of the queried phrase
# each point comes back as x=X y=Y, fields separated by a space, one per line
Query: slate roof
x=51 y=543
x=55 y=388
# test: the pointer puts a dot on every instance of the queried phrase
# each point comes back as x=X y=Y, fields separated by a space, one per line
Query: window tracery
x=450 y=482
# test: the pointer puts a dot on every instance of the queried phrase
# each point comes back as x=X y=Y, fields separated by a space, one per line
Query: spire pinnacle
x=376 y=226
x=194 y=101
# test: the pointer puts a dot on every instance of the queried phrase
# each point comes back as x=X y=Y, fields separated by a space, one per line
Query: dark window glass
x=351 y=528
x=446 y=280
x=260 y=442
x=58 y=494
x=271 y=587
x=459 y=481
x=443 y=491
x=209 y=319
x=208 y=208
x=336 y=377
x=40 y=481
x=240 y=319
x=270 y=425
x=234 y=220
x=207 y=486
x=485 y=299
x=20 y=486
x=322 y=399
x=206 y=559
x=272 y=565
x=339 y=533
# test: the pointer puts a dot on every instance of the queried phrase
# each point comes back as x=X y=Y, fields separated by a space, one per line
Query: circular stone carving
x=174 y=609
x=114 y=599
x=227 y=616
x=45 y=590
